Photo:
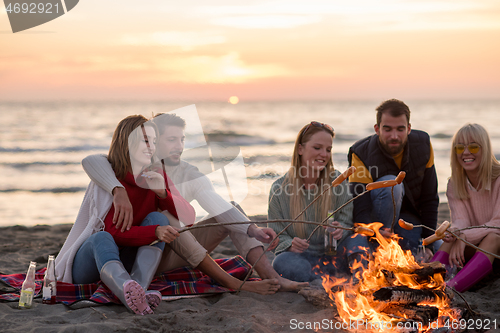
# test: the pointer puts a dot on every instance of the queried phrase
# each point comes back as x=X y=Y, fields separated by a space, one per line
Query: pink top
x=481 y=208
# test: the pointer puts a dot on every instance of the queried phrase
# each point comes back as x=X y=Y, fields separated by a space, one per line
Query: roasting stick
x=474 y=313
x=440 y=232
x=399 y=179
x=255 y=222
x=357 y=229
x=336 y=182
x=369 y=187
x=479 y=226
x=208 y=225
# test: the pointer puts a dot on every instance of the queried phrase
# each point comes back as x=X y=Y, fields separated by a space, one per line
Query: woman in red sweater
x=474 y=199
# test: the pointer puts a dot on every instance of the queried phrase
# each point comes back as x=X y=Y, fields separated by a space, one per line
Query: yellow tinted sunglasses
x=472 y=147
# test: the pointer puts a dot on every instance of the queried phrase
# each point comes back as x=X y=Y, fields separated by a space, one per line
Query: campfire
x=391 y=290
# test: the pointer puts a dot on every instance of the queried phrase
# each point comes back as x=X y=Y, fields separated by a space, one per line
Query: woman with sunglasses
x=474 y=199
x=310 y=173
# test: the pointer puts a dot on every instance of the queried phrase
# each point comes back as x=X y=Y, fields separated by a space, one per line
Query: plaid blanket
x=180 y=281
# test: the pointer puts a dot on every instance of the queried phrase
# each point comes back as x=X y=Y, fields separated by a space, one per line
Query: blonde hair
x=119 y=155
x=293 y=181
x=489 y=167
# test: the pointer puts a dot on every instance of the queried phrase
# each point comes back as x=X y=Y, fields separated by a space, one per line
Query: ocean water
x=42 y=144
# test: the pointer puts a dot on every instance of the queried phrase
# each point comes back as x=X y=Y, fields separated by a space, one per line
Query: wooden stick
x=479 y=226
x=463 y=240
x=330 y=215
x=393 y=209
x=463 y=298
x=474 y=246
x=369 y=187
x=399 y=179
x=201 y=226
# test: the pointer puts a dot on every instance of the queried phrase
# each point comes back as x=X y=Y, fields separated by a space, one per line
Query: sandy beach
x=245 y=312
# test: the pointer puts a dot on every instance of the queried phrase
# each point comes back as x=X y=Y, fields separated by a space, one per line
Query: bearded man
x=396 y=147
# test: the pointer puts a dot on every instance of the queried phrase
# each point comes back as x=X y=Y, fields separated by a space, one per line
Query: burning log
x=393 y=287
x=421 y=275
x=419 y=313
x=429 y=269
x=405 y=295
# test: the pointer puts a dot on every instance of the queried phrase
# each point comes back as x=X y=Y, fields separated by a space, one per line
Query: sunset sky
x=262 y=50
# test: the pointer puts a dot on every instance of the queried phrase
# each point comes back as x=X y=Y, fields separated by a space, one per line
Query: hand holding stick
x=440 y=233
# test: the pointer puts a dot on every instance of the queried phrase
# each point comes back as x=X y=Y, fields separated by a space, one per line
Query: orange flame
x=390 y=266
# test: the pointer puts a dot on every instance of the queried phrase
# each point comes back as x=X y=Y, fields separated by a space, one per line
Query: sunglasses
x=318 y=124
x=472 y=147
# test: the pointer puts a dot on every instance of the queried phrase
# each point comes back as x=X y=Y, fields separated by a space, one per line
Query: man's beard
x=393 y=150
x=168 y=161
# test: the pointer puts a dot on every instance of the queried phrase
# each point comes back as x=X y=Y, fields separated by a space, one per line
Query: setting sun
x=234 y=99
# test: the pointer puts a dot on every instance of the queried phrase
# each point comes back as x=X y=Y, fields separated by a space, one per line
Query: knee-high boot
x=442 y=257
x=130 y=293
x=474 y=271
x=145 y=265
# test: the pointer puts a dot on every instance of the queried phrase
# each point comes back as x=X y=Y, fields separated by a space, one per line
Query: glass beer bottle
x=28 y=288
x=50 y=283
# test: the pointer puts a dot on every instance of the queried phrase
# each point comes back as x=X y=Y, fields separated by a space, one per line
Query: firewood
x=429 y=269
x=405 y=295
x=419 y=313
x=420 y=275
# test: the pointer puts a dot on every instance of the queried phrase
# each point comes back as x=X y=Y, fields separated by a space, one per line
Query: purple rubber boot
x=474 y=271
x=442 y=257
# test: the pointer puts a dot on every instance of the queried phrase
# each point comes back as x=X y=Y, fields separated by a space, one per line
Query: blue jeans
x=382 y=205
x=100 y=248
x=383 y=212
x=299 y=266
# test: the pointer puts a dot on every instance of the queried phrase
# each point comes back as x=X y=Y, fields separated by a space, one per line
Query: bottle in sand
x=420 y=253
x=330 y=242
x=50 y=283
x=28 y=288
